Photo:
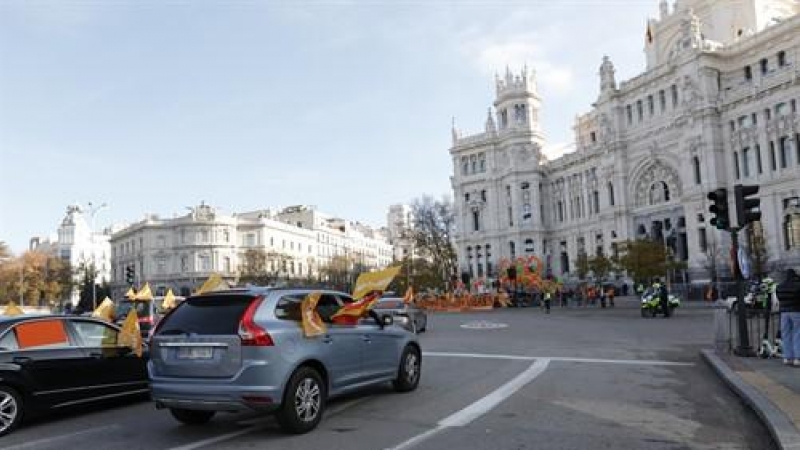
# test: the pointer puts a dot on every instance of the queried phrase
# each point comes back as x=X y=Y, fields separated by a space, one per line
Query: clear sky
x=153 y=106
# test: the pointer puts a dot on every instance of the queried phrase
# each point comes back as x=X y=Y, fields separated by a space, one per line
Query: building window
x=732 y=126
x=482 y=162
x=629 y=111
x=772 y=156
x=464 y=165
x=512 y=249
x=466 y=198
x=226 y=264
x=593 y=137
x=610 y=194
x=781 y=58
x=736 y=165
x=639 y=110
x=476 y=222
x=702 y=240
x=696 y=165
x=560 y=211
x=662 y=100
x=784 y=151
x=748 y=73
x=674 y=91
x=797 y=147
x=764 y=66
x=528 y=245
x=483 y=195
x=759 y=166
x=473 y=164
x=651 y=105
x=596 y=199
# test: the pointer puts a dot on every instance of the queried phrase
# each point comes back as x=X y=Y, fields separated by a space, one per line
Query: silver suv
x=245 y=350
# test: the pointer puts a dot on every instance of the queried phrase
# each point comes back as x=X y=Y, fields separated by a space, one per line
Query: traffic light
x=719 y=209
x=747 y=209
x=130 y=274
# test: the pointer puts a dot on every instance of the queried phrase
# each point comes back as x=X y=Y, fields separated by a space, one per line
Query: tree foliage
x=758 y=249
x=432 y=233
x=262 y=267
x=582 y=266
x=600 y=266
x=40 y=279
x=643 y=259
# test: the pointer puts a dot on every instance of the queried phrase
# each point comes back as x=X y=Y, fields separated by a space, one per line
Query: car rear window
x=217 y=314
x=123 y=308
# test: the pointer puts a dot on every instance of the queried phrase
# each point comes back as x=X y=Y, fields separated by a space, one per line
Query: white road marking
x=50 y=440
x=259 y=426
x=647 y=362
x=480 y=407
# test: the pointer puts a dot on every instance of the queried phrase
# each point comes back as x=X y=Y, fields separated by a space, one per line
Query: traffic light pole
x=743 y=348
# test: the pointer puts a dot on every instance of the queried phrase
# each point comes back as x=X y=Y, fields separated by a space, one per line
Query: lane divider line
x=48 y=440
x=481 y=406
x=648 y=362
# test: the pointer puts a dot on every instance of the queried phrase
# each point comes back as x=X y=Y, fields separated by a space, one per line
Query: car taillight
x=147 y=320
x=250 y=333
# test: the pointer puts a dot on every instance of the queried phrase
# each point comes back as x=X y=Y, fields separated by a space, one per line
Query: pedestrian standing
x=788 y=293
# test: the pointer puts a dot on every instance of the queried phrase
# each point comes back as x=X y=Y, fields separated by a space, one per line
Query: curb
x=783 y=431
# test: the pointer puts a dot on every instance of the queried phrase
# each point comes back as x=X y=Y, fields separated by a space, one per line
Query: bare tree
x=433 y=227
x=758 y=249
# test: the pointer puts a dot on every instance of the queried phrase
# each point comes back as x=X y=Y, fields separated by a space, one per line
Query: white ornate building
x=78 y=244
x=716 y=106
x=182 y=252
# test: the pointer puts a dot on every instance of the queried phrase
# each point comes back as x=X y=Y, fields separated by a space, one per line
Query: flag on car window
x=144 y=294
x=130 y=335
x=351 y=312
x=312 y=322
x=105 y=310
x=374 y=281
x=409 y=297
x=213 y=283
x=130 y=294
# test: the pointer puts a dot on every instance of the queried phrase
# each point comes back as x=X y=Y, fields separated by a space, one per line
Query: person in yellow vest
x=547 y=298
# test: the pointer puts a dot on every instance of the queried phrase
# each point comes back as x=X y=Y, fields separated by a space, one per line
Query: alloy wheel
x=8 y=410
x=307 y=400
x=411 y=367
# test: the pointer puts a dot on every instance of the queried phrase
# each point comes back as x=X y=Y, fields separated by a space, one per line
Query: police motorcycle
x=651 y=302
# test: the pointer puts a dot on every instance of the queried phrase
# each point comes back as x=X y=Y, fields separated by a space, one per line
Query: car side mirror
x=386 y=320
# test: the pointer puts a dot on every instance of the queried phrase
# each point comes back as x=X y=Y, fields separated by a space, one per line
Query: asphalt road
x=585 y=378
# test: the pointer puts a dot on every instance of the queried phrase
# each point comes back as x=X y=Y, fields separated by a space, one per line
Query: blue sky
x=153 y=106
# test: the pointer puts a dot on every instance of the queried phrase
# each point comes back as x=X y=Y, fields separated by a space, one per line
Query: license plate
x=195 y=353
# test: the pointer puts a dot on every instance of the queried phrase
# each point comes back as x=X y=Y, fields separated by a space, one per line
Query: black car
x=53 y=362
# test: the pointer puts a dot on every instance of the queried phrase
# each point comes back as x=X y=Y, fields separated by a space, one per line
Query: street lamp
x=93 y=209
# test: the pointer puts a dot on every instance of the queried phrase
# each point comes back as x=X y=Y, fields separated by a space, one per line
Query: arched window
x=696 y=164
x=464 y=165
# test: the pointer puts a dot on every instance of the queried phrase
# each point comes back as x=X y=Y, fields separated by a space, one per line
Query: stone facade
x=182 y=252
x=716 y=106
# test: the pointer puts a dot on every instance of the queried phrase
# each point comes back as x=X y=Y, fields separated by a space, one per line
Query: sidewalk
x=771 y=389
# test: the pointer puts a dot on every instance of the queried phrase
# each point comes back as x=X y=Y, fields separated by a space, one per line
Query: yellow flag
x=130 y=294
x=213 y=283
x=409 y=297
x=105 y=310
x=374 y=281
x=169 y=301
x=13 y=310
x=312 y=322
x=130 y=335
x=144 y=294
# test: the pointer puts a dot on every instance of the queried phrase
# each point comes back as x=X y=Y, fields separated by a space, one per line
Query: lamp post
x=93 y=209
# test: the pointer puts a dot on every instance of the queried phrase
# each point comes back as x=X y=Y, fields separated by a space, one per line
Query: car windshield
x=123 y=308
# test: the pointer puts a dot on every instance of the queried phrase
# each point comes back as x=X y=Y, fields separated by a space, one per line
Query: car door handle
x=21 y=360
x=327 y=339
x=366 y=338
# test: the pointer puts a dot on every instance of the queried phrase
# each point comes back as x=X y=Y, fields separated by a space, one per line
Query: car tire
x=409 y=372
x=303 y=402
x=191 y=416
x=10 y=409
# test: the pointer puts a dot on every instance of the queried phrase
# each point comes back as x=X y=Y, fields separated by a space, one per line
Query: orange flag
x=130 y=335
x=312 y=322
x=409 y=297
x=351 y=312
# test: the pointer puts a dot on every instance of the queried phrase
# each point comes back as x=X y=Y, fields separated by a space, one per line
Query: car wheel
x=10 y=409
x=303 y=402
x=410 y=370
x=191 y=416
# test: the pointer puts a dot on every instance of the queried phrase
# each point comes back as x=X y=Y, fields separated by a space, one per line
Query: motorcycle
x=651 y=303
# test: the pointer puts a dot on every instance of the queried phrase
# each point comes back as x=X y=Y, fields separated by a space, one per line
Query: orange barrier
x=463 y=302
